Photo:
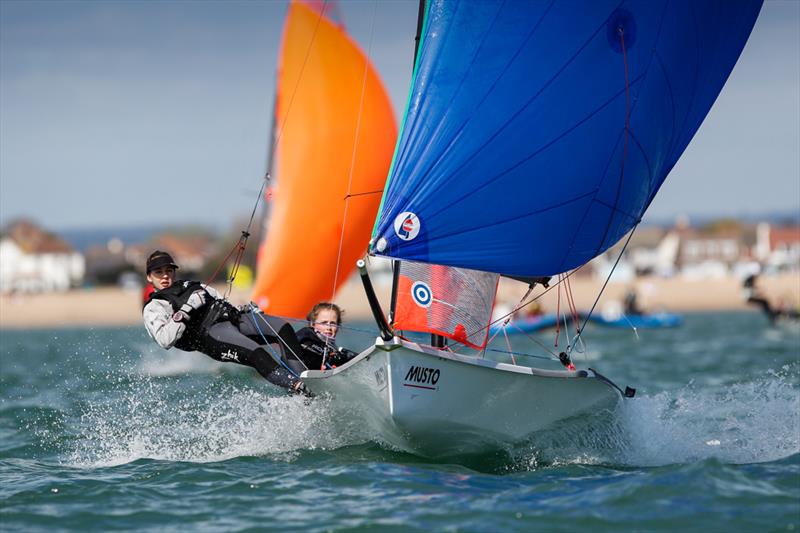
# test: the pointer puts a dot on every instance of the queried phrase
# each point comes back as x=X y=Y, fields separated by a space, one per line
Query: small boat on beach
x=656 y=320
x=532 y=324
x=528 y=324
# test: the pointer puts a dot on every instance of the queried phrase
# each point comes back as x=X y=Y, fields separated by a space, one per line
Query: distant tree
x=723 y=225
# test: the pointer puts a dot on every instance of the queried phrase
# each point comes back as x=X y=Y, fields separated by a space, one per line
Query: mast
x=396 y=263
x=271 y=146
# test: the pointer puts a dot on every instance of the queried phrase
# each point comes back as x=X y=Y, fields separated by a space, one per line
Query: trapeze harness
x=223 y=347
x=195 y=334
x=317 y=352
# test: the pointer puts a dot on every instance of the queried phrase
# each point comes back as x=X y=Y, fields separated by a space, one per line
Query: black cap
x=159 y=259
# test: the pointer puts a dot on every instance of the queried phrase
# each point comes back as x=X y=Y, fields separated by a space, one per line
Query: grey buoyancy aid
x=178 y=294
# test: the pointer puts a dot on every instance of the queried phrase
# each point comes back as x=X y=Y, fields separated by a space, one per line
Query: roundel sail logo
x=421 y=294
x=406 y=225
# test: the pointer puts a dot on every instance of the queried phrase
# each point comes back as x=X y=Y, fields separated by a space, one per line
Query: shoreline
x=111 y=306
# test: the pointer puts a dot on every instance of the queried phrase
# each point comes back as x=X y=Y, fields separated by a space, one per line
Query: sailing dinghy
x=536 y=135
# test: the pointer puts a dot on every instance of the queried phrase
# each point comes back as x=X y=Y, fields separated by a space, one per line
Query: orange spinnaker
x=324 y=99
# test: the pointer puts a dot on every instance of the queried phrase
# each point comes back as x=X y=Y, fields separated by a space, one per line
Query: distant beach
x=110 y=306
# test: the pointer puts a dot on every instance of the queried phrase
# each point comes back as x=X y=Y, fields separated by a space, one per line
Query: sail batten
x=517 y=107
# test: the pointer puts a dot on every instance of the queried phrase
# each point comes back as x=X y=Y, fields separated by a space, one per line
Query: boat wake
x=152 y=419
x=750 y=422
x=215 y=423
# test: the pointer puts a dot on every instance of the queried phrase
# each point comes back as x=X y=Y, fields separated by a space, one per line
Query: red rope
x=239 y=247
x=571 y=300
x=558 y=311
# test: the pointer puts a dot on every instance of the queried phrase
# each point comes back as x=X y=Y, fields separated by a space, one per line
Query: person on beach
x=192 y=316
x=753 y=295
x=318 y=339
x=632 y=307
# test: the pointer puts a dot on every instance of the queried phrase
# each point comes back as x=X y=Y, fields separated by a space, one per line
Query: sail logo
x=421 y=294
x=420 y=377
x=407 y=225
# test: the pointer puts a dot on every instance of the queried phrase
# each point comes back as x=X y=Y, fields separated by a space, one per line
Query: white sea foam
x=152 y=421
x=747 y=422
x=743 y=423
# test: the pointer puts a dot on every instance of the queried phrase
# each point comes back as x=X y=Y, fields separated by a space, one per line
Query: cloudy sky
x=116 y=113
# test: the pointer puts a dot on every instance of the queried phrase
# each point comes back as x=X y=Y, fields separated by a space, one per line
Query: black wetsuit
x=316 y=350
x=220 y=331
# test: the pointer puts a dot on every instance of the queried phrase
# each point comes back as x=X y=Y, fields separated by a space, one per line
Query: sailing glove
x=196 y=299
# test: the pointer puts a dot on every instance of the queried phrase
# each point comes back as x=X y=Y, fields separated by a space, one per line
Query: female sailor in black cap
x=192 y=316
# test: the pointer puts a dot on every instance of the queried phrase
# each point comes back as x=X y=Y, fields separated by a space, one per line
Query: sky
x=130 y=113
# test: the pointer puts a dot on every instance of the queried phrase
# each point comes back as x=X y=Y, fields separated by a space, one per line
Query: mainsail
x=538 y=133
x=336 y=131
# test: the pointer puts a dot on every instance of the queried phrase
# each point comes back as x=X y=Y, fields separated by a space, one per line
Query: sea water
x=101 y=430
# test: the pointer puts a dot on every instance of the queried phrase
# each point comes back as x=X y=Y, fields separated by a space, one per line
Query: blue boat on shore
x=529 y=324
x=541 y=322
x=644 y=321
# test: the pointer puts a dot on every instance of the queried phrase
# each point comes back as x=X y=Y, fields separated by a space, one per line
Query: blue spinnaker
x=537 y=133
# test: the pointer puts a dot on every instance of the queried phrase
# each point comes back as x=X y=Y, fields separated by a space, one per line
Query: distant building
x=779 y=247
x=105 y=263
x=33 y=260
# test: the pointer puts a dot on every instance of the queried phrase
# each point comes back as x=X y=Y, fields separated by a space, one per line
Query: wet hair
x=314 y=313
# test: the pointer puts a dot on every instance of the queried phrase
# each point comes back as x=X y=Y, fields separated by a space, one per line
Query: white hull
x=432 y=402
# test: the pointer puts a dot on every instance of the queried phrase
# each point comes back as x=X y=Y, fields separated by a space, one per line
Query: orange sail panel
x=336 y=131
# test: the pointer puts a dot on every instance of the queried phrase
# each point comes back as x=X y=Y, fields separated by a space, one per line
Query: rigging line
x=621 y=32
x=558 y=311
x=239 y=247
x=353 y=195
x=508 y=345
x=242 y=243
x=256 y=312
x=568 y=313
x=500 y=319
x=355 y=149
x=300 y=75
x=520 y=353
x=574 y=308
x=520 y=305
x=605 y=284
x=537 y=341
x=511 y=352
x=295 y=320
